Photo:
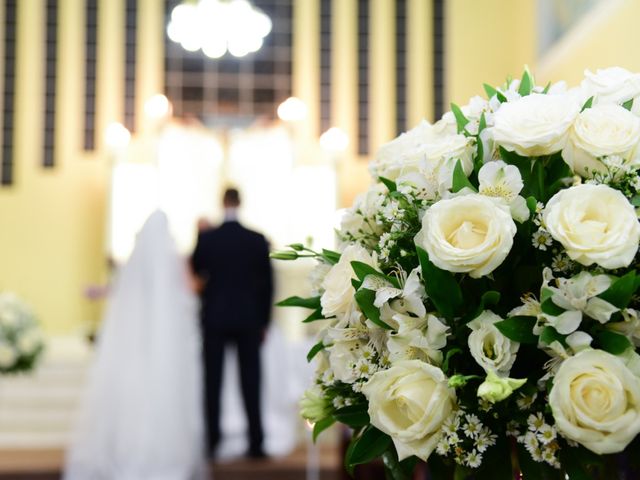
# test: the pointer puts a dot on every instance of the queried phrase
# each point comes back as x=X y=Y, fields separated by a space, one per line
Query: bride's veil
x=142 y=415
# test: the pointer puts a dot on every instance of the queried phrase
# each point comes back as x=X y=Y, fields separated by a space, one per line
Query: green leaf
x=545 y=294
x=441 y=286
x=318 y=347
x=612 y=342
x=628 y=104
x=312 y=302
x=362 y=270
x=587 y=104
x=532 y=205
x=460 y=179
x=370 y=444
x=519 y=329
x=546 y=88
x=461 y=120
x=321 y=425
x=526 y=83
x=482 y=124
x=390 y=184
x=551 y=308
x=365 y=298
x=447 y=358
x=490 y=91
x=500 y=96
x=550 y=335
x=315 y=315
x=396 y=470
x=353 y=415
x=330 y=256
x=621 y=290
x=635 y=201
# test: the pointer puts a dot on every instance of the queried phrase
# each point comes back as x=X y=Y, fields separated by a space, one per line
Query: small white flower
x=536 y=422
x=473 y=459
x=472 y=426
x=546 y=434
x=560 y=263
x=512 y=429
x=525 y=401
x=541 y=239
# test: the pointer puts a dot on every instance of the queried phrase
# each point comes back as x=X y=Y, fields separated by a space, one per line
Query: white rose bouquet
x=21 y=342
x=482 y=312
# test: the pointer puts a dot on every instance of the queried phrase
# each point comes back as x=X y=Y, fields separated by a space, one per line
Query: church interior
x=112 y=109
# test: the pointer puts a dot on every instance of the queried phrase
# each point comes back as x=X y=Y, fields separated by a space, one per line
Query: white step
x=38 y=410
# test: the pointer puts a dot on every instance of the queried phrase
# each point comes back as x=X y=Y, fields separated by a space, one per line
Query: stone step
x=27 y=441
x=36 y=421
x=47 y=465
x=26 y=397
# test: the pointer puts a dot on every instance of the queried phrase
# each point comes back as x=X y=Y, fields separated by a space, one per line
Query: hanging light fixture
x=219 y=26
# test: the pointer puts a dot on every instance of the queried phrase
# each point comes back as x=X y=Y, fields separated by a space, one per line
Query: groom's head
x=231 y=198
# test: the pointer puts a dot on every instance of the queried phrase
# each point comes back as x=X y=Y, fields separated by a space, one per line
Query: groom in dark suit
x=233 y=264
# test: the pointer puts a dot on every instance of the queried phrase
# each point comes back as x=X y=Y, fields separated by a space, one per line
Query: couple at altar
x=153 y=404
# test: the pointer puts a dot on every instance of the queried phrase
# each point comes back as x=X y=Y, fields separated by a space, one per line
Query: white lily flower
x=499 y=180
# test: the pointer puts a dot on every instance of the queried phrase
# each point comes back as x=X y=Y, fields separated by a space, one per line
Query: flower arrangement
x=20 y=338
x=483 y=305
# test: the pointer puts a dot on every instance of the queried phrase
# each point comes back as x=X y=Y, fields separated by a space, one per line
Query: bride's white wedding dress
x=142 y=415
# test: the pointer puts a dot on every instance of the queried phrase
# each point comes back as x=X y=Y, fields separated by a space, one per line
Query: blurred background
x=111 y=108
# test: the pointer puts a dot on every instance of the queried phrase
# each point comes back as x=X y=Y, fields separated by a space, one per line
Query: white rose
x=338 y=296
x=7 y=356
x=595 y=400
x=409 y=402
x=402 y=155
x=601 y=131
x=535 y=125
x=424 y=150
x=611 y=85
x=491 y=349
x=595 y=224
x=470 y=233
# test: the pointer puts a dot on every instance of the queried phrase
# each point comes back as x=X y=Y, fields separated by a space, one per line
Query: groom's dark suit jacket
x=234 y=262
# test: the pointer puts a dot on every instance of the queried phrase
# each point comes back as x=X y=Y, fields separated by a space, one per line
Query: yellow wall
x=608 y=36
x=487 y=40
x=52 y=219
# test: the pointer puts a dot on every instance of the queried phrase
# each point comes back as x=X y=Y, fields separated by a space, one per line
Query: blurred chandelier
x=218 y=26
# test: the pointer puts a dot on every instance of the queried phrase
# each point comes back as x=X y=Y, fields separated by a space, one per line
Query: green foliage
x=587 y=104
x=318 y=347
x=321 y=425
x=460 y=180
x=365 y=446
x=518 y=329
x=461 y=120
x=390 y=184
x=441 y=286
x=365 y=298
x=612 y=342
x=295 y=301
x=621 y=290
x=526 y=83
x=354 y=415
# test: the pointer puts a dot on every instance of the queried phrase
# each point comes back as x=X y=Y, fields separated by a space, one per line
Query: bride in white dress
x=142 y=415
